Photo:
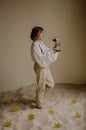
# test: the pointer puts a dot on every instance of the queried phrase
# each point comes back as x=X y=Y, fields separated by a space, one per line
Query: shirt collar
x=37 y=42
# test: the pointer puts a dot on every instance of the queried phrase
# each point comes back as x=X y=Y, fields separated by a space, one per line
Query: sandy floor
x=65 y=109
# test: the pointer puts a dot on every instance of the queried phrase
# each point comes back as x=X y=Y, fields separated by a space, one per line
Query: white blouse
x=42 y=59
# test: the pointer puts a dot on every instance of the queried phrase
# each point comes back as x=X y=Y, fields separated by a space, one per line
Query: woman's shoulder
x=36 y=43
x=34 y=46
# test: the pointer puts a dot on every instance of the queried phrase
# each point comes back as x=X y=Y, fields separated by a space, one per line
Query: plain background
x=62 y=18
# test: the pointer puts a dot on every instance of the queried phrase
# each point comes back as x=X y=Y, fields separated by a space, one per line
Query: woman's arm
x=52 y=52
x=42 y=60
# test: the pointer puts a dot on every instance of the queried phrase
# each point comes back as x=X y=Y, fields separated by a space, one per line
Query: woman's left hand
x=56 y=50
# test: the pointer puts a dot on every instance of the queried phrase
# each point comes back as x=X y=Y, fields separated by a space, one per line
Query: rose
x=55 y=39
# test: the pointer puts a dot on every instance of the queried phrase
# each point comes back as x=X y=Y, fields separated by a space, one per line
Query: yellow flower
x=51 y=111
x=31 y=117
x=74 y=100
x=8 y=124
x=77 y=115
x=57 y=125
x=15 y=108
x=8 y=101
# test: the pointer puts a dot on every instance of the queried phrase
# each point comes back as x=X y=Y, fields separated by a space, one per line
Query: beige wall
x=62 y=18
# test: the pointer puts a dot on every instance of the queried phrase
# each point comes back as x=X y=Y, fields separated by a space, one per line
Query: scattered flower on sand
x=15 y=108
x=57 y=125
x=8 y=101
x=8 y=124
x=51 y=111
x=77 y=115
x=31 y=117
x=74 y=100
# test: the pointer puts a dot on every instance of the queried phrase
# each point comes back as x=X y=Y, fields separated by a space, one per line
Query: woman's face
x=40 y=35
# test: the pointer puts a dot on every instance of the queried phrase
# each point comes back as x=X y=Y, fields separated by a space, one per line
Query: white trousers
x=44 y=82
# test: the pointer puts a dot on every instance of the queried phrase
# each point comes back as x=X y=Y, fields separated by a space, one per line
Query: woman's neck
x=38 y=40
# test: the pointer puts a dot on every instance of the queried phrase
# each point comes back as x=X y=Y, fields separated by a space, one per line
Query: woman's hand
x=56 y=50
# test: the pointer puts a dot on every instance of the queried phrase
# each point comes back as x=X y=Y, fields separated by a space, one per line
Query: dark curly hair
x=35 y=31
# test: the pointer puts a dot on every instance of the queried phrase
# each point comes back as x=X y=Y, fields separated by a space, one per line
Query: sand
x=65 y=109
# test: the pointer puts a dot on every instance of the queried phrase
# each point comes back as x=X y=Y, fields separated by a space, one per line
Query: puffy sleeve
x=45 y=59
x=49 y=51
x=42 y=60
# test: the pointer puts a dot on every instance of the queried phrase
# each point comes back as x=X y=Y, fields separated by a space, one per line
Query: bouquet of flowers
x=56 y=44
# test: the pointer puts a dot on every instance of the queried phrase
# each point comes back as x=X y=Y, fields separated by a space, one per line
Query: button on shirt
x=42 y=55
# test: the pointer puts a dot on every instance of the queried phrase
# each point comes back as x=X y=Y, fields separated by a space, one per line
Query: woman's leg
x=40 y=91
x=47 y=89
x=40 y=88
